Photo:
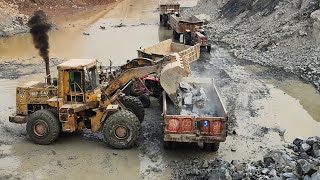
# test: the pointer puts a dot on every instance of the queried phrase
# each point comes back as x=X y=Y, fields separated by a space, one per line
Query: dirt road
x=259 y=101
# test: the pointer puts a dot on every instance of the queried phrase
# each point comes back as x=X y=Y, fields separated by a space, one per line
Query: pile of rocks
x=301 y=163
x=11 y=20
x=193 y=100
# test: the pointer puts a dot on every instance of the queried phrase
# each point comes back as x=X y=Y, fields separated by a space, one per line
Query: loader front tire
x=134 y=105
x=121 y=130
x=43 y=127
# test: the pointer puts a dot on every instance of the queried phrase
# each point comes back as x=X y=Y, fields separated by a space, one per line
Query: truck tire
x=43 y=127
x=134 y=91
x=145 y=99
x=176 y=35
x=134 y=105
x=121 y=130
x=168 y=145
x=187 y=39
x=211 y=146
x=209 y=48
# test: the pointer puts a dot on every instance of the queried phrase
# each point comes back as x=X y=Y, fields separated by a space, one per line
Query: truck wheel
x=169 y=145
x=134 y=105
x=186 y=39
x=121 y=130
x=145 y=99
x=134 y=91
x=43 y=127
x=211 y=146
x=209 y=48
x=176 y=35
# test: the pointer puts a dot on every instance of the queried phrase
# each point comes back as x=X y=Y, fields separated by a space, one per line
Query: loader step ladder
x=76 y=92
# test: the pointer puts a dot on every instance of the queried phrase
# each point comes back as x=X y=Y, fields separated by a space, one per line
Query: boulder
x=220 y=173
x=316 y=175
x=305 y=147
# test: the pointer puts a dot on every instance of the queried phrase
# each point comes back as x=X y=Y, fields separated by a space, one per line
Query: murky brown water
x=293 y=105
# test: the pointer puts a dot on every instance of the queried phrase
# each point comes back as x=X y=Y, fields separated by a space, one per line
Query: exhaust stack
x=39 y=27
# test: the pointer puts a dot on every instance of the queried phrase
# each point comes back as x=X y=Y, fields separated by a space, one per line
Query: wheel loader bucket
x=172 y=74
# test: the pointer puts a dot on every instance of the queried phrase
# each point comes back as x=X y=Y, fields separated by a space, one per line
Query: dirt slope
x=281 y=34
x=14 y=14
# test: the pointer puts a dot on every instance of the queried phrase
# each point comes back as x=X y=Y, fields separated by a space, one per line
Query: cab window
x=91 y=80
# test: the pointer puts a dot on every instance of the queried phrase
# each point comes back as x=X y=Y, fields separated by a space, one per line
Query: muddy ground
x=261 y=102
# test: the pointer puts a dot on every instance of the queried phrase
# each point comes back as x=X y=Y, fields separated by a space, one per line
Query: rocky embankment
x=283 y=34
x=11 y=20
x=14 y=14
x=299 y=160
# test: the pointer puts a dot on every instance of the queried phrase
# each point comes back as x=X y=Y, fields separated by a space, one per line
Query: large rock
x=220 y=174
x=316 y=176
x=305 y=147
x=305 y=166
x=315 y=152
x=276 y=156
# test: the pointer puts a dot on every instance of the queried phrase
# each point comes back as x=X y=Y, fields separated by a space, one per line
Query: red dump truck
x=192 y=30
x=166 y=9
x=196 y=114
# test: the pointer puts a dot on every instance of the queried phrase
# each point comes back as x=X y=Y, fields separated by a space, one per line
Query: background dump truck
x=192 y=30
x=167 y=9
x=195 y=113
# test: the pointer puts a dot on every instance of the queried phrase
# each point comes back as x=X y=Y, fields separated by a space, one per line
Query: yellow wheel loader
x=76 y=100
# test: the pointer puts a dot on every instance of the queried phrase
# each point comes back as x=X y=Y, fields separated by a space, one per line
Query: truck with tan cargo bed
x=192 y=30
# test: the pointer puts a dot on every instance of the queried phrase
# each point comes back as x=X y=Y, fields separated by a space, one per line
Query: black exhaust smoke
x=39 y=28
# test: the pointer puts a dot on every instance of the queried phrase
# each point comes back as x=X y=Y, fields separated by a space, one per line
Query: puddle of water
x=72 y=162
x=306 y=94
x=282 y=110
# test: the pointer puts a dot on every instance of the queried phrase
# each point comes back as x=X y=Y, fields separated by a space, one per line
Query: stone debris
x=283 y=35
x=277 y=164
x=192 y=100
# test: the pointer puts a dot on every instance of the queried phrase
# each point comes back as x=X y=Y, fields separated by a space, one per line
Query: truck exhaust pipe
x=39 y=27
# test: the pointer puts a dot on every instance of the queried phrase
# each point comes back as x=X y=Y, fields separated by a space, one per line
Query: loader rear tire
x=43 y=127
x=134 y=105
x=121 y=130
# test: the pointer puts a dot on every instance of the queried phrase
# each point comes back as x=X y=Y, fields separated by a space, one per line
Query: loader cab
x=78 y=78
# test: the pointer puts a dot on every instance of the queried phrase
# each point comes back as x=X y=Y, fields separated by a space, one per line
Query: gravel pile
x=280 y=34
x=301 y=162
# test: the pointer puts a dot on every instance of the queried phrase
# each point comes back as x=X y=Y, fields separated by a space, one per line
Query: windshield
x=91 y=79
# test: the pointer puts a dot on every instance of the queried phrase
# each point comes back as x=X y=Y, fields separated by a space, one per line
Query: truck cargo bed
x=199 y=116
